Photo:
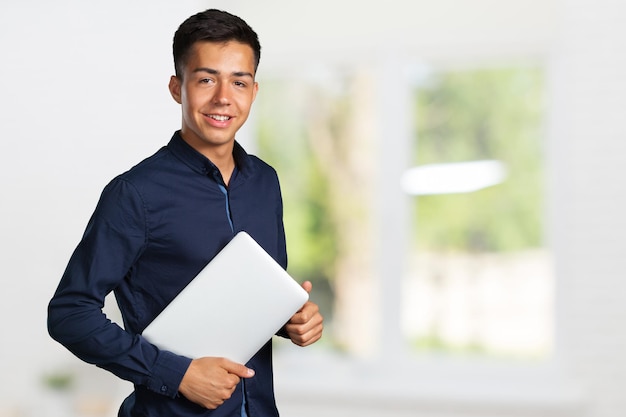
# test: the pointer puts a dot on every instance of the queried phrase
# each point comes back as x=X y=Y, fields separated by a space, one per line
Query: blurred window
x=478 y=275
x=480 y=279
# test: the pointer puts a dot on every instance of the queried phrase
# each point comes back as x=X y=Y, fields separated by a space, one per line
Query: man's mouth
x=219 y=117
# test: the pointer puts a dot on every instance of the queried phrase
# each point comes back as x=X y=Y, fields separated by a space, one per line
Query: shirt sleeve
x=114 y=238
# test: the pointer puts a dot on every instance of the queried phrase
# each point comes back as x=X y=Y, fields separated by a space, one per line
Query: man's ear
x=255 y=90
x=175 y=88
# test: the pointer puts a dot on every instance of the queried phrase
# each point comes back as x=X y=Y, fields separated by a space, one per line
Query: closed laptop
x=231 y=308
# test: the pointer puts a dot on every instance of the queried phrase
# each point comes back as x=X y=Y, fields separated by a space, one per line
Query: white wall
x=588 y=195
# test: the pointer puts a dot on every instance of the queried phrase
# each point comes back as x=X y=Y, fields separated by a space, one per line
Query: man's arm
x=114 y=238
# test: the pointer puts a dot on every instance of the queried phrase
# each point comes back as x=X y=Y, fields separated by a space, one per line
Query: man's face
x=216 y=92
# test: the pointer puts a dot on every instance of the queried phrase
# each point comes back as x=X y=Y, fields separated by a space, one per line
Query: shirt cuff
x=168 y=374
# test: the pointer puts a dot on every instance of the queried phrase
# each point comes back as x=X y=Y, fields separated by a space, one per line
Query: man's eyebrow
x=242 y=74
x=207 y=70
x=216 y=72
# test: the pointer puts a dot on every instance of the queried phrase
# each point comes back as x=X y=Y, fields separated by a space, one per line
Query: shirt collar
x=200 y=163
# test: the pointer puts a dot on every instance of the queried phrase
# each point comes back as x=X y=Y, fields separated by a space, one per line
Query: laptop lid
x=231 y=308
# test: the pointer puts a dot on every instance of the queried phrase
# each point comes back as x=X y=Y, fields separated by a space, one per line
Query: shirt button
x=163 y=388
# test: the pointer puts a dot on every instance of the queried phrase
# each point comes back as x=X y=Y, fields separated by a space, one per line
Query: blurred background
x=453 y=176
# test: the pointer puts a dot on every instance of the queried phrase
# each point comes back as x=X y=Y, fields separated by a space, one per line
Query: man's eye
x=205 y=80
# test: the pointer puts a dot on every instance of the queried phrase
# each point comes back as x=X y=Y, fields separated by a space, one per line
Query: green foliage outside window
x=473 y=115
x=283 y=143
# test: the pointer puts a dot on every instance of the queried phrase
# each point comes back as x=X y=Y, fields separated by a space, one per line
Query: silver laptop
x=231 y=308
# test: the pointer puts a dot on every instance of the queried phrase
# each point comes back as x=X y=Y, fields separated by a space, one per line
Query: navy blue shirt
x=153 y=230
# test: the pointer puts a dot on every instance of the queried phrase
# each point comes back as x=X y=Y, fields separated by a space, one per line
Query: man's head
x=216 y=56
x=212 y=26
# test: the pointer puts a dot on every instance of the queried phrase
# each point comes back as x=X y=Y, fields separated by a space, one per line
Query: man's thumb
x=240 y=370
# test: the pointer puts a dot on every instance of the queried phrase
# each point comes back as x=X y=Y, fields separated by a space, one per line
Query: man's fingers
x=238 y=369
x=306 y=335
x=306 y=319
x=307 y=286
x=210 y=381
x=306 y=327
x=308 y=310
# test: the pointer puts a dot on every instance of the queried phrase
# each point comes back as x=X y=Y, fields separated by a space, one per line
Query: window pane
x=480 y=277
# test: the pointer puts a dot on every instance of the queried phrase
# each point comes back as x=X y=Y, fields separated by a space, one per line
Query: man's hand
x=306 y=326
x=211 y=381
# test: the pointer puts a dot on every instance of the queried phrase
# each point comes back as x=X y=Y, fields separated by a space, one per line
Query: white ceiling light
x=453 y=178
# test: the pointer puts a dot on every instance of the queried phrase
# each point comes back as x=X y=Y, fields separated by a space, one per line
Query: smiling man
x=215 y=88
x=159 y=223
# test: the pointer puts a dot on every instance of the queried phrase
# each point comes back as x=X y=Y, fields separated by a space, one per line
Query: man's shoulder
x=259 y=172
x=250 y=164
x=260 y=165
x=148 y=167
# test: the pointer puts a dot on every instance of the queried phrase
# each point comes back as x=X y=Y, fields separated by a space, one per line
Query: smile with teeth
x=219 y=117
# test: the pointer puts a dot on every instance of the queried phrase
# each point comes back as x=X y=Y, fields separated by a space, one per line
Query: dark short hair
x=212 y=26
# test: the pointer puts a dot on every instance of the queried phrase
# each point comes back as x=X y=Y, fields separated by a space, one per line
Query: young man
x=156 y=225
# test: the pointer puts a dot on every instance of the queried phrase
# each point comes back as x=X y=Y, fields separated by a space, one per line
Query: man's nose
x=222 y=94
